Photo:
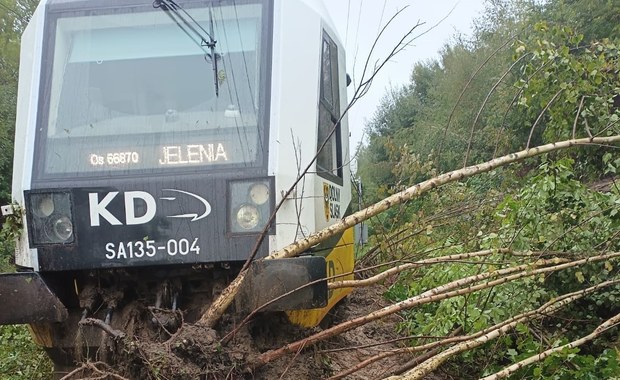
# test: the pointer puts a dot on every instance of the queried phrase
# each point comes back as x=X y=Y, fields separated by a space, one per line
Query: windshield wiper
x=193 y=30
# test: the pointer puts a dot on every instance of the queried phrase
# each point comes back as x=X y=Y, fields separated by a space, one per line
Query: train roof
x=317 y=6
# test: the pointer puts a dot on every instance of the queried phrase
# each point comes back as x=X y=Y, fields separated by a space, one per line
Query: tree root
x=95 y=372
x=116 y=334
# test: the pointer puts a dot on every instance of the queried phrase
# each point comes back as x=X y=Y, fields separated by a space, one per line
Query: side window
x=329 y=161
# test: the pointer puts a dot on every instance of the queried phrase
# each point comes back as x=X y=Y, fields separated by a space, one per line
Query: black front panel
x=177 y=220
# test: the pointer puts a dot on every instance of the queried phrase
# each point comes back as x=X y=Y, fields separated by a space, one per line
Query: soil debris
x=166 y=347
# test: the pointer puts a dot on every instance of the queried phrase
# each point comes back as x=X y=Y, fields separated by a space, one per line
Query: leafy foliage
x=550 y=213
x=20 y=358
x=574 y=85
x=555 y=212
x=534 y=72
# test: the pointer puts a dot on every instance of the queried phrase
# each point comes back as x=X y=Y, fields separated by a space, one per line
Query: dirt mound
x=196 y=352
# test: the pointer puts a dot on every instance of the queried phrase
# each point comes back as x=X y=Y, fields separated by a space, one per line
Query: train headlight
x=50 y=218
x=42 y=205
x=259 y=193
x=250 y=205
x=248 y=217
x=63 y=228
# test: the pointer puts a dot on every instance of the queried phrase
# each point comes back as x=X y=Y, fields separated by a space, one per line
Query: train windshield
x=142 y=90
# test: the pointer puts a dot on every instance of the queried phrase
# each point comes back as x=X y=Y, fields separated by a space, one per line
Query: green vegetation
x=532 y=74
x=20 y=358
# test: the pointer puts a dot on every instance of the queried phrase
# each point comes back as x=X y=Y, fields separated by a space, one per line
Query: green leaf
x=580 y=277
x=512 y=352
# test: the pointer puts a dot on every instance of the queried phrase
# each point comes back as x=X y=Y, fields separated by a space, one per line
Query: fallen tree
x=495 y=268
x=433 y=295
x=470 y=341
x=219 y=306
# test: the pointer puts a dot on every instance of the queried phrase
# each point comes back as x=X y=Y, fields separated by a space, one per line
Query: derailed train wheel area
x=148 y=304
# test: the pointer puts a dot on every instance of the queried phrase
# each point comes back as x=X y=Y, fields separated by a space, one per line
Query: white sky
x=358 y=22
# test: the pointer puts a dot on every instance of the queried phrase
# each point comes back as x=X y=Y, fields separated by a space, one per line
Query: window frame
x=60 y=10
x=331 y=106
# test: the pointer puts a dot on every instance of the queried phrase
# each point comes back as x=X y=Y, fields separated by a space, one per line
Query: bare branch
x=469 y=82
x=539 y=118
x=401 y=268
x=103 y=326
x=92 y=367
x=484 y=103
x=577 y=115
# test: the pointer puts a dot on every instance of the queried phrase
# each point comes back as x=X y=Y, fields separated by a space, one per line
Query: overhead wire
x=177 y=7
x=171 y=8
x=193 y=30
x=233 y=91
x=359 y=18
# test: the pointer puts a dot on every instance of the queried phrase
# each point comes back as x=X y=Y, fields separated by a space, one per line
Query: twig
x=458 y=101
x=577 y=115
x=377 y=344
x=484 y=103
x=401 y=268
x=434 y=349
x=291 y=362
x=93 y=367
x=539 y=118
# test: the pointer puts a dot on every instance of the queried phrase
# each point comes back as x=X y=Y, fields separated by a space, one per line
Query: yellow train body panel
x=339 y=261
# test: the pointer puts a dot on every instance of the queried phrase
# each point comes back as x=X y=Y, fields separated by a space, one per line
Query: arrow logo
x=193 y=216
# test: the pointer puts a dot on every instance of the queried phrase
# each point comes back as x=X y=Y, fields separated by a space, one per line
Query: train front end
x=146 y=147
x=148 y=160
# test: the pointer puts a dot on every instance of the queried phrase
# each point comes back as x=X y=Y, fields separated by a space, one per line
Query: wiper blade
x=173 y=10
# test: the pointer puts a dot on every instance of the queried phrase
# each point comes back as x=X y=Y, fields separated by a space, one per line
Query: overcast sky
x=358 y=23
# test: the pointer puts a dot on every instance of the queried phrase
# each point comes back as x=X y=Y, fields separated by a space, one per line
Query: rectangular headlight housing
x=250 y=205
x=50 y=217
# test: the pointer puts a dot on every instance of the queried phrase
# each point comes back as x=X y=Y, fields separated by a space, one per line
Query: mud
x=160 y=345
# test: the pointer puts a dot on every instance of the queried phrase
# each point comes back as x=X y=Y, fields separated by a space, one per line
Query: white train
x=154 y=140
